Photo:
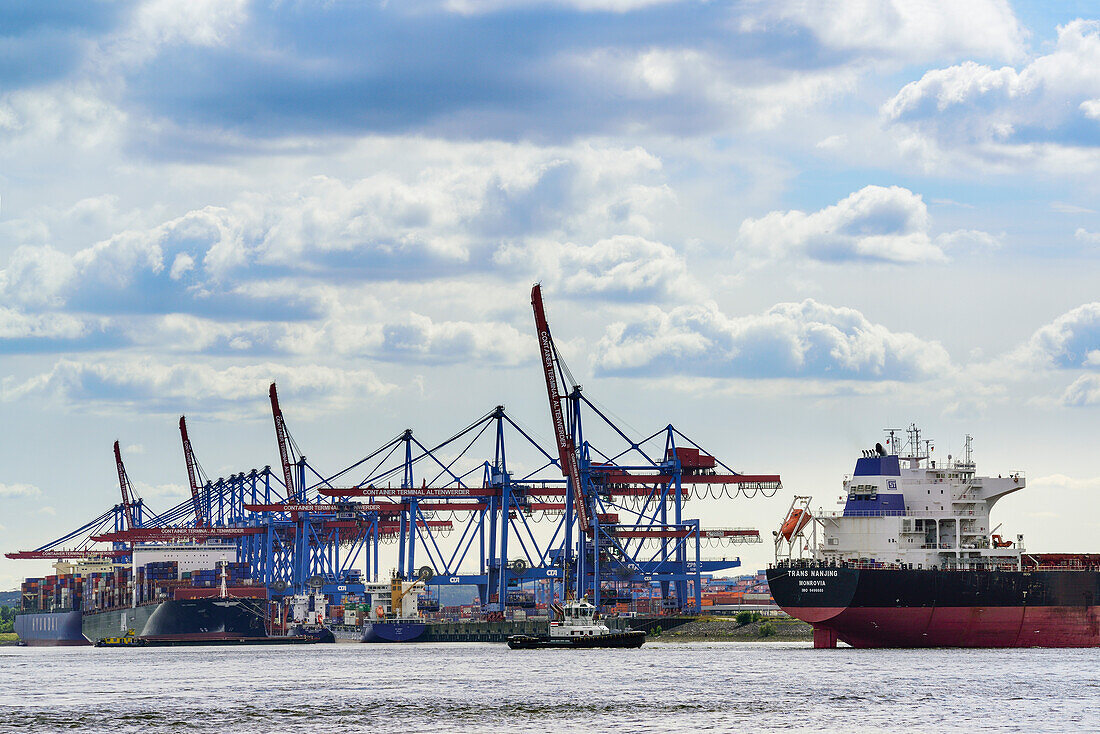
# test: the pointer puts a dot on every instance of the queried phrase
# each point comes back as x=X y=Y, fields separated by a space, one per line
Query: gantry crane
x=567 y=450
x=281 y=438
x=127 y=489
x=192 y=475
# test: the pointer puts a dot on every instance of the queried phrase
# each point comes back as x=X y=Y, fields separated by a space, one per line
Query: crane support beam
x=460 y=506
x=61 y=554
x=388 y=527
x=140 y=535
x=387 y=507
x=729 y=533
x=281 y=438
x=192 y=474
x=567 y=453
x=544 y=506
x=650 y=533
x=771 y=481
x=124 y=485
x=547 y=492
x=458 y=492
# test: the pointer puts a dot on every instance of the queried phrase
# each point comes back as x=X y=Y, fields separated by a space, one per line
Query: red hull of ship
x=1062 y=626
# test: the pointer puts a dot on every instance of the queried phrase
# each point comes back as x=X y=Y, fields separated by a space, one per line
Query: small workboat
x=578 y=627
x=127 y=640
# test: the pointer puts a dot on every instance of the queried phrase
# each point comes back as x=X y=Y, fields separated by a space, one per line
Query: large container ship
x=172 y=593
x=913 y=560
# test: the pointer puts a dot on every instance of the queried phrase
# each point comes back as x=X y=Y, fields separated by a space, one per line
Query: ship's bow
x=814 y=594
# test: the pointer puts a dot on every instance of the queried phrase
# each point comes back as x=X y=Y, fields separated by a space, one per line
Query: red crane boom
x=127 y=490
x=192 y=473
x=567 y=453
x=280 y=436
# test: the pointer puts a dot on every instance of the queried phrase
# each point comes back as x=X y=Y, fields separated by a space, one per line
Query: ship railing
x=876 y=566
x=862 y=513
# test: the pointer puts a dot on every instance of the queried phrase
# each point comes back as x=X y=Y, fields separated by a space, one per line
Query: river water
x=476 y=687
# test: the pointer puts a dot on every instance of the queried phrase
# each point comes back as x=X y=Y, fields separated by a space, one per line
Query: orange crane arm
x=192 y=473
x=280 y=436
x=567 y=453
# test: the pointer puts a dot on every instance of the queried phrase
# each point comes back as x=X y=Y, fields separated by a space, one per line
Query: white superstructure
x=393 y=599
x=188 y=556
x=578 y=620
x=901 y=506
x=309 y=608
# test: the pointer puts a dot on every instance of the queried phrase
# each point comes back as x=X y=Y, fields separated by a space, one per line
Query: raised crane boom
x=192 y=473
x=127 y=490
x=281 y=437
x=567 y=453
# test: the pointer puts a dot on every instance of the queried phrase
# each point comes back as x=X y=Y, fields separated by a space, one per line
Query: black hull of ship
x=942 y=608
x=49 y=629
x=627 y=639
x=182 y=620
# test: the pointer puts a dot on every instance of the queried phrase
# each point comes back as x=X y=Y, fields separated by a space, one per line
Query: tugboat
x=579 y=627
x=127 y=640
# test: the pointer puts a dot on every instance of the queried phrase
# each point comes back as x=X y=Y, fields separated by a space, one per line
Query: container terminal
x=601 y=516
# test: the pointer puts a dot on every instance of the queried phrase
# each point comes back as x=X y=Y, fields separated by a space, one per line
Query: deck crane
x=567 y=450
x=281 y=438
x=192 y=474
x=127 y=490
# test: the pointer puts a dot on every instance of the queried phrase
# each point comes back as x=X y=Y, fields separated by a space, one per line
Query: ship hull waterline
x=626 y=639
x=50 y=629
x=393 y=631
x=197 y=620
x=939 y=608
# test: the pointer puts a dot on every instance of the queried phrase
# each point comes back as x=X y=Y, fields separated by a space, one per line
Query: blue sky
x=781 y=226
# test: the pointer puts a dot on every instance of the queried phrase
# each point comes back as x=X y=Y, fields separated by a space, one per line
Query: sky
x=779 y=226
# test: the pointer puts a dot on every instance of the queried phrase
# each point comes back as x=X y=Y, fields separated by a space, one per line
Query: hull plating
x=625 y=639
x=181 y=619
x=50 y=629
x=928 y=608
x=393 y=631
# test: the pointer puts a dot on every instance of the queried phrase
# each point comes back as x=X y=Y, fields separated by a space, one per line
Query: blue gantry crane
x=489 y=507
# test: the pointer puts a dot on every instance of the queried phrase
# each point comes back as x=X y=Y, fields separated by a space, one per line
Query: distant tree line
x=7 y=619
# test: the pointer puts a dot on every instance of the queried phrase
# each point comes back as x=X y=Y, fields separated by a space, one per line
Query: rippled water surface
x=487 y=687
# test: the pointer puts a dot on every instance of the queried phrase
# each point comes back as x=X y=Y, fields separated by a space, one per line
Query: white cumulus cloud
x=19 y=490
x=806 y=339
x=1065 y=482
x=624 y=266
x=1084 y=391
x=1043 y=112
x=875 y=224
x=929 y=29
x=1083 y=235
x=1071 y=341
x=157 y=386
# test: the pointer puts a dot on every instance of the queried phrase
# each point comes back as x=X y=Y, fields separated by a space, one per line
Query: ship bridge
x=873 y=490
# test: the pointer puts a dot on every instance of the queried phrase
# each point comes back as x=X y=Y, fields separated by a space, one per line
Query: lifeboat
x=794 y=523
